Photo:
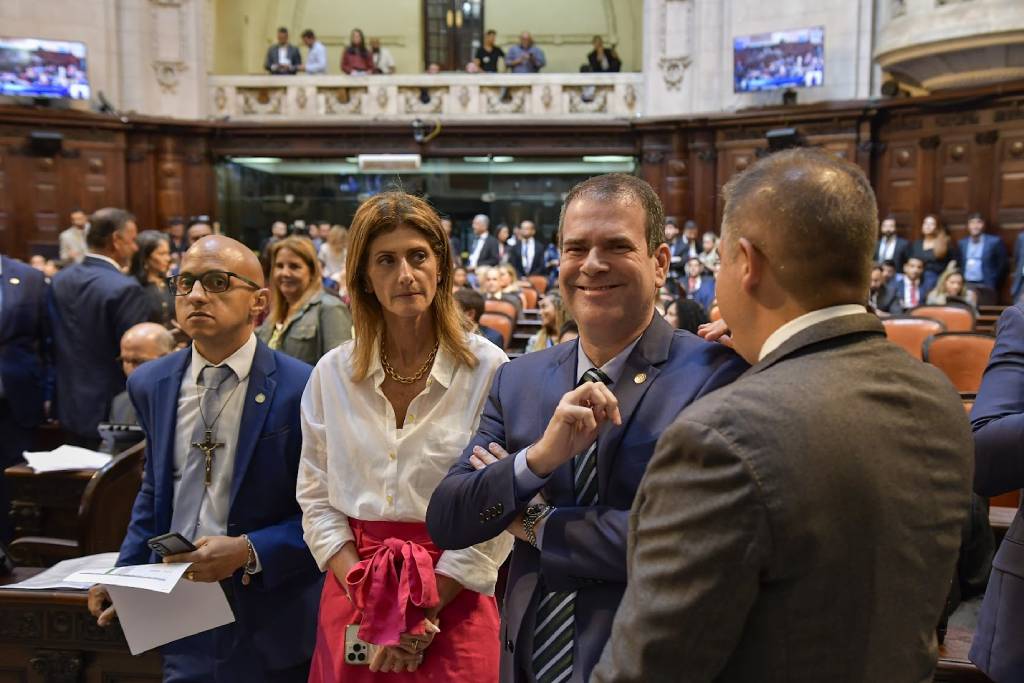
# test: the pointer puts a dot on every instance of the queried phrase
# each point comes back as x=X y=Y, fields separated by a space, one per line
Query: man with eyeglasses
x=140 y=344
x=221 y=420
x=92 y=304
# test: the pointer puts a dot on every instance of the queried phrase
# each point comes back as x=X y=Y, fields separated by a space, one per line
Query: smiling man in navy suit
x=222 y=429
x=985 y=256
x=23 y=365
x=578 y=454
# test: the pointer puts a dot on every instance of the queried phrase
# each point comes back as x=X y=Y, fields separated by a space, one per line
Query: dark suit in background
x=91 y=306
x=1017 y=276
x=294 y=56
x=886 y=299
x=24 y=366
x=775 y=538
x=490 y=254
x=584 y=547
x=993 y=260
x=276 y=612
x=998 y=420
x=900 y=252
x=536 y=266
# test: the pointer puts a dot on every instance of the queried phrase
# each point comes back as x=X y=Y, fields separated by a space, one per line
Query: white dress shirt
x=213 y=514
x=887 y=249
x=797 y=325
x=527 y=254
x=357 y=464
x=316 y=60
x=282 y=55
x=478 y=246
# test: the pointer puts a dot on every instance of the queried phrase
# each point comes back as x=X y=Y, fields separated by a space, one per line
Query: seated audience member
x=685 y=314
x=997 y=419
x=889 y=272
x=677 y=249
x=278 y=231
x=283 y=58
x=601 y=60
x=473 y=307
x=484 y=249
x=356 y=59
x=691 y=241
x=383 y=62
x=176 y=234
x=623 y=381
x=72 y=240
x=198 y=228
x=93 y=303
x=150 y=266
x=891 y=247
x=570 y=331
x=698 y=286
x=525 y=58
x=552 y=316
x=936 y=250
x=735 y=572
x=552 y=258
x=951 y=289
x=37 y=261
x=460 y=279
x=709 y=253
x=140 y=344
x=488 y=54
x=333 y=253
x=24 y=367
x=492 y=289
x=364 y=481
x=909 y=286
x=304 y=322
x=316 y=58
x=882 y=297
x=233 y=494
x=527 y=256
x=984 y=256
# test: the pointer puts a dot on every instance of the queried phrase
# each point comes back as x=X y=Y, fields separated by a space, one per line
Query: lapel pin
x=14 y=281
x=640 y=378
x=260 y=398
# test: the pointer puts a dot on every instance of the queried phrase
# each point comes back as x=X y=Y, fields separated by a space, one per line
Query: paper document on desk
x=155 y=605
x=66 y=458
x=56 y=576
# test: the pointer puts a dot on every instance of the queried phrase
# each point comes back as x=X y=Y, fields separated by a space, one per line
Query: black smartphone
x=170 y=544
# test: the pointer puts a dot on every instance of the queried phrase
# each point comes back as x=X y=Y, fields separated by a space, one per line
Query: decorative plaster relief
x=513 y=102
x=673 y=69
x=167 y=75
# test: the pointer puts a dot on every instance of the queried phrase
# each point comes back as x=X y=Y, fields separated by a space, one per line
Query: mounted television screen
x=783 y=59
x=31 y=67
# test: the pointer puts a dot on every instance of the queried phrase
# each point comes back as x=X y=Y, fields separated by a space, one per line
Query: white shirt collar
x=612 y=368
x=797 y=325
x=105 y=258
x=240 y=361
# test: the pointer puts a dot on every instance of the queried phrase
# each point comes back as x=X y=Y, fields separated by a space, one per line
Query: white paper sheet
x=150 y=618
x=66 y=458
x=55 y=576
x=161 y=578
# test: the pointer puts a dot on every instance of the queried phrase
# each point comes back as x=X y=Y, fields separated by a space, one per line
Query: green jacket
x=322 y=324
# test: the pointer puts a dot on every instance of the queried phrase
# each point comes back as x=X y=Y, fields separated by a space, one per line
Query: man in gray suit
x=283 y=58
x=781 y=532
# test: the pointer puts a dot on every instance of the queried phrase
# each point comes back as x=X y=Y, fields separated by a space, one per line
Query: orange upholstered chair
x=955 y=318
x=962 y=356
x=539 y=282
x=500 y=322
x=529 y=296
x=910 y=332
x=506 y=308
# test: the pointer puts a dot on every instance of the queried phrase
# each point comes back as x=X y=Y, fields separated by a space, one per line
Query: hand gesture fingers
x=482 y=458
x=100 y=605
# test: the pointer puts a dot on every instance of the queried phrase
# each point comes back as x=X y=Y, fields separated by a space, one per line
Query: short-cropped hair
x=103 y=224
x=815 y=218
x=282 y=29
x=627 y=189
x=471 y=300
x=308 y=33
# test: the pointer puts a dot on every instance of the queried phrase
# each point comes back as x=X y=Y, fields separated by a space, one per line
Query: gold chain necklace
x=393 y=374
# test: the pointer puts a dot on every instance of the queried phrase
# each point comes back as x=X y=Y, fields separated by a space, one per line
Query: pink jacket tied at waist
x=392 y=589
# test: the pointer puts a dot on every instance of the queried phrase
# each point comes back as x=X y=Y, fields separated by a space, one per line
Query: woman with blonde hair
x=333 y=252
x=383 y=418
x=553 y=315
x=952 y=289
x=936 y=249
x=304 y=321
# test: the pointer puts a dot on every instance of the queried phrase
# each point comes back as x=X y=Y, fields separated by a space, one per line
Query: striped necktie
x=556 y=624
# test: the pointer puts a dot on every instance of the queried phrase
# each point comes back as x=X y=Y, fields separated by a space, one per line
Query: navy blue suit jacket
x=1018 y=267
x=993 y=259
x=536 y=267
x=705 y=294
x=899 y=254
x=584 y=548
x=277 y=611
x=92 y=305
x=24 y=347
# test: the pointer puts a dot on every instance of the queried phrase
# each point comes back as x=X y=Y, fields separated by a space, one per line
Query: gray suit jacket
x=782 y=532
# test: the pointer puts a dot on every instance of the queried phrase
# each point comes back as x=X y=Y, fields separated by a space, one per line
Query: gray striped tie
x=556 y=624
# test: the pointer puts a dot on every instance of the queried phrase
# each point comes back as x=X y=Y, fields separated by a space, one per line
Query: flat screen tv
x=783 y=59
x=32 y=67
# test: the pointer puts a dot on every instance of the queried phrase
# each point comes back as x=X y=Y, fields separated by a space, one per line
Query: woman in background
x=936 y=249
x=685 y=314
x=333 y=252
x=304 y=321
x=952 y=289
x=410 y=387
x=356 y=59
x=150 y=266
x=553 y=315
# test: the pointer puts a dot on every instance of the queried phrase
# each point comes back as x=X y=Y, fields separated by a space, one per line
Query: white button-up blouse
x=356 y=463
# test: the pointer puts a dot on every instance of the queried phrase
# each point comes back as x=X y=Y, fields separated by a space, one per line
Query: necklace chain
x=210 y=425
x=393 y=374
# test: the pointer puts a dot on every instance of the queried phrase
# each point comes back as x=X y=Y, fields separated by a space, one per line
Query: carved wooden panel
x=43 y=197
x=954 y=191
x=1009 y=185
x=897 y=185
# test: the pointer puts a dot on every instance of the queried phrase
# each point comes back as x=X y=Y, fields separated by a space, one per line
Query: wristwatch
x=532 y=517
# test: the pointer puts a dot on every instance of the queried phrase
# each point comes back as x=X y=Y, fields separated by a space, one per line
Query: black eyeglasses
x=213 y=282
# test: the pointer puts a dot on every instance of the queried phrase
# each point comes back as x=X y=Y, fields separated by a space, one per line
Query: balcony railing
x=444 y=96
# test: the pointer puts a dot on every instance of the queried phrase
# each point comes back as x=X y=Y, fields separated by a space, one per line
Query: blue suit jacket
x=998 y=421
x=1018 y=267
x=993 y=259
x=277 y=611
x=24 y=340
x=705 y=294
x=92 y=305
x=584 y=548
